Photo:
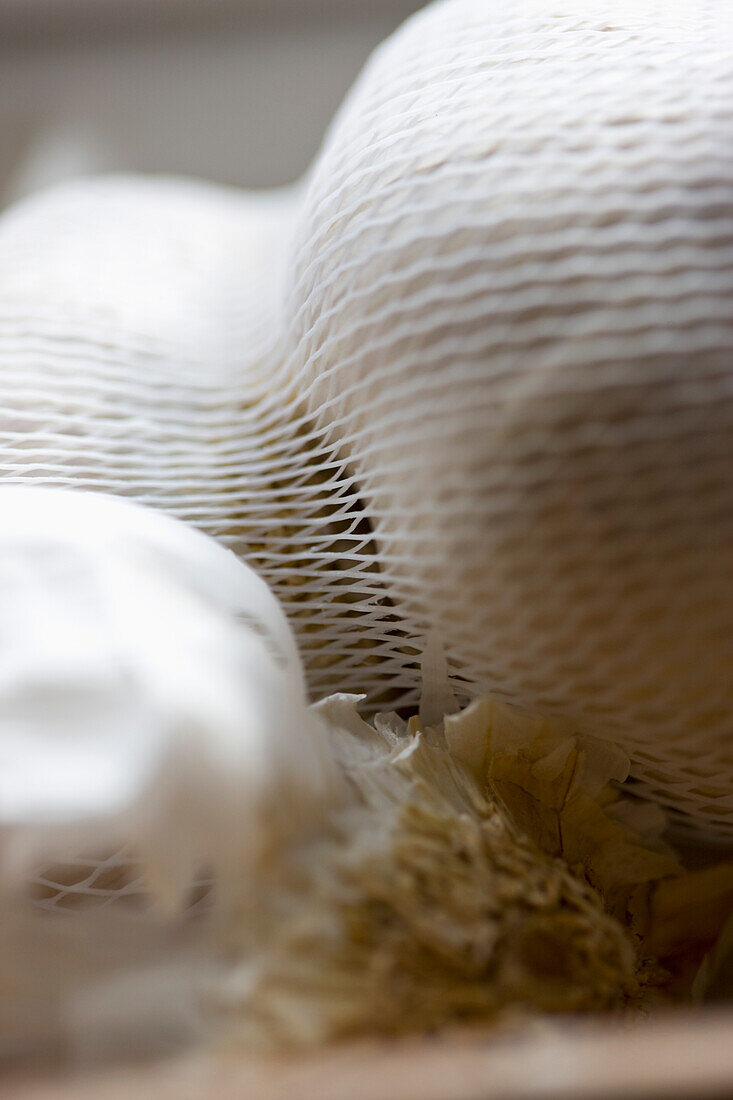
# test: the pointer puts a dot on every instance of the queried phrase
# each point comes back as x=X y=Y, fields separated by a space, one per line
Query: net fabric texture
x=471 y=377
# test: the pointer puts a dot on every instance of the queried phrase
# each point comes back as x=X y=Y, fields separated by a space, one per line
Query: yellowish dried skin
x=427 y=905
x=488 y=867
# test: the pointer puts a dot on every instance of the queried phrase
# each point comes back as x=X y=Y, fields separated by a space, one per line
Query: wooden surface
x=680 y=1056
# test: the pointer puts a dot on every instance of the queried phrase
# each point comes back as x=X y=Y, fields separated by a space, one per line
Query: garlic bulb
x=151 y=694
x=510 y=301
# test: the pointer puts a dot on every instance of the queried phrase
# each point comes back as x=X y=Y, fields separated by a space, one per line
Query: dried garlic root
x=484 y=867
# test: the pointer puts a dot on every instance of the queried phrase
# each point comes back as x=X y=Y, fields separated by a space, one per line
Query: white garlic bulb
x=151 y=693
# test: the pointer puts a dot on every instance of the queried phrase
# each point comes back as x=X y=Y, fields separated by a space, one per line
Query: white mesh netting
x=473 y=376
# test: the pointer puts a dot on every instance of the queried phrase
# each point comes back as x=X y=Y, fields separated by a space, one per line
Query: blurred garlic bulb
x=151 y=694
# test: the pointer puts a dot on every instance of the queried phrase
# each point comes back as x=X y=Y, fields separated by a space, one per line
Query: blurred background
x=236 y=91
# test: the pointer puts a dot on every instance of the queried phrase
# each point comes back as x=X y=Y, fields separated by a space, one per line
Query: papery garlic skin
x=151 y=693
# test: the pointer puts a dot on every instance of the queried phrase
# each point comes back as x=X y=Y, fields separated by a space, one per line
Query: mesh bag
x=471 y=377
